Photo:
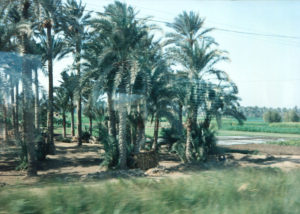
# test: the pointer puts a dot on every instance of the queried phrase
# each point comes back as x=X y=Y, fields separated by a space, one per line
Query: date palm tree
x=75 y=31
x=194 y=51
x=61 y=103
x=121 y=32
x=23 y=19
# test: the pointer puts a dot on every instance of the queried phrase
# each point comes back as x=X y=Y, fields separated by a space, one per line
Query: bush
x=110 y=147
x=272 y=117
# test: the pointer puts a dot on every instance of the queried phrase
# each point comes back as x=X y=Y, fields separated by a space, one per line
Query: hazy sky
x=265 y=68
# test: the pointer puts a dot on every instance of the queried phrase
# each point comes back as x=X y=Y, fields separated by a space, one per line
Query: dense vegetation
x=221 y=191
x=121 y=77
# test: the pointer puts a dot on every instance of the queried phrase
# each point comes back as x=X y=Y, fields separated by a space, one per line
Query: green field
x=253 y=125
x=230 y=127
x=231 y=191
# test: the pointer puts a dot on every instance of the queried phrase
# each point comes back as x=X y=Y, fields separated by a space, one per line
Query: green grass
x=286 y=143
x=222 y=191
x=255 y=125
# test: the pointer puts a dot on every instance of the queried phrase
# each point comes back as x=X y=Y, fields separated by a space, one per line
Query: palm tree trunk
x=122 y=137
x=16 y=124
x=112 y=119
x=36 y=101
x=28 y=124
x=91 y=125
x=140 y=136
x=12 y=99
x=155 y=135
x=50 y=101
x=180 y=113
x=72 y=120
x=64 y=124
x=79 y=122
x=5 y=120
x=194 y=115
x=189 y=140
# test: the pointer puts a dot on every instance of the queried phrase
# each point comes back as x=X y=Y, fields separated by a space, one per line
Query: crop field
x=260 y=126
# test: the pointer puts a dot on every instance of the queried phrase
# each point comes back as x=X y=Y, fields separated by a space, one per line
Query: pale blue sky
x=266 y=69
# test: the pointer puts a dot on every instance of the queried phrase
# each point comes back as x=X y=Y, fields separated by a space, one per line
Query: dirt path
x=72 y=163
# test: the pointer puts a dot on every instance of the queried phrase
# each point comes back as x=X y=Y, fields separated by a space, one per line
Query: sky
x=262 y=38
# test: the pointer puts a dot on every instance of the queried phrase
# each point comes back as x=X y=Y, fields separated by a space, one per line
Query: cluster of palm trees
x=116 y=58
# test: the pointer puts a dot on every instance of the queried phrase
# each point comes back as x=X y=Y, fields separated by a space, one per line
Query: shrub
x=110 y=147
x=272 y=117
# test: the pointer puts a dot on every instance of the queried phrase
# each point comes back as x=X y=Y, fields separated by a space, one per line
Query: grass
x=260 y=126
x=286 y=143
x=221 y=191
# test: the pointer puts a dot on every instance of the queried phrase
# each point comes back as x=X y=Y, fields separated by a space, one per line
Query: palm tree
x=122 y=32
x=75 y=32
x=49 y=18
x=193 y=51
x=69 y=83
x=61 y=103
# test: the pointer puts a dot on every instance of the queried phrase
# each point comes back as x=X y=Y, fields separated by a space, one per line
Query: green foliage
x=110 y=147
x=171 y=135
x=291 y=116
x=204 y=143
x=272 y=117
x=86 y=136
x=255 y=191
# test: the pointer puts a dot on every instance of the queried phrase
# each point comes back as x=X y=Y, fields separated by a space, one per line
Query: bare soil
x=72 y=163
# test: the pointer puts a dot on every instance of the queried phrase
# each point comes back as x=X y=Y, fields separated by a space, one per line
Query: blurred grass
x=247 y=190
x=286 y=143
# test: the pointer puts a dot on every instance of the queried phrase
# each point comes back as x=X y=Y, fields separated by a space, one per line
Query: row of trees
x=258 y=112
x=275 y=116
x=121 y=75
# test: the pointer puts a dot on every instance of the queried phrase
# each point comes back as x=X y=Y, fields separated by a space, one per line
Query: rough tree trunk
x=28 y=115
x=5 y=120
x=12 y=99
x=16 y=124
x=189 y=140
x=180 y=113
x=36 y=101
x=50 y=101
x=155 y=135
x=64 y=124
x=122 y=137
x=79 y=122
x=72 y=120
x=140 y=136
x=91 y=125
x=112 y=119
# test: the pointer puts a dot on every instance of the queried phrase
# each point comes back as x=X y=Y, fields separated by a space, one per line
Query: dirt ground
x=72 y=163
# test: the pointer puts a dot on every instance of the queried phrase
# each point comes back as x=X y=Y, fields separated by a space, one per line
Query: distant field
x=256 y=125
x=251 y=127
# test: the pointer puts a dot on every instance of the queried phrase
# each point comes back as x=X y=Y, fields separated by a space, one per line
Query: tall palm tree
x=75 y=31
x=69 y=83
x=61 y=103
x=122 y=32
x=49 y=18
x=194 y=51
x=24 y=35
